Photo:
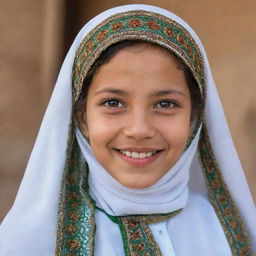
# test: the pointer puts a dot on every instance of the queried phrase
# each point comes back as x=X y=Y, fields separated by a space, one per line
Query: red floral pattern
x=168 y=31
x=73 y=244
x=152 y=24
x=71 y=229
x=73 y=216
x=116 y=26
x=101 y=35
x=89 y=46
x=134 y=23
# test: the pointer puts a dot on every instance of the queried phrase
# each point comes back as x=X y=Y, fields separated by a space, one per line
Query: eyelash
x=105 y=103
x=172 y=103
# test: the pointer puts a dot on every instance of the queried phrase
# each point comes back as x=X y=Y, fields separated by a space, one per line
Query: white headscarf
x=31 y=225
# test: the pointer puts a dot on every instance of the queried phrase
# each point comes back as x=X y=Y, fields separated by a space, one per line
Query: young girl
x=134 y=156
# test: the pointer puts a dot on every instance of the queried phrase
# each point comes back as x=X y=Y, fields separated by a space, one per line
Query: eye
x=113 y=103
x=166 y=104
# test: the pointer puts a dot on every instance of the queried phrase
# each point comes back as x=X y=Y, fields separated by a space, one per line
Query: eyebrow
x=113 y=91
x=154 y=94
x=166 y=92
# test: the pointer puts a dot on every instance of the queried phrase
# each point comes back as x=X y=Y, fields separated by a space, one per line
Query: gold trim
x=221 y=199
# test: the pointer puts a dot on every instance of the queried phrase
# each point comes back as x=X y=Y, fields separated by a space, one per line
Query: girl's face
x=137 y=115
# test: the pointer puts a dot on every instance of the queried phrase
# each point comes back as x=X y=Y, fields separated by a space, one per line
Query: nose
x=139 y=125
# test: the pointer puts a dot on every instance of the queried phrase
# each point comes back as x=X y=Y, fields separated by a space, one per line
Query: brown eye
x=165 y=104
x=113 y=103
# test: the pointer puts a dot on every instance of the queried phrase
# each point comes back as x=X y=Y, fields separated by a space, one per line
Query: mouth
x=139 y=157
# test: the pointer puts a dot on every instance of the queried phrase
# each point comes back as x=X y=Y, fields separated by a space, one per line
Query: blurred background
x=35 y=36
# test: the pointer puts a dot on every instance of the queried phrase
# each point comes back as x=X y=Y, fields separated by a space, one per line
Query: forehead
x=140 y=46
x=140 y=69
x=129 y=51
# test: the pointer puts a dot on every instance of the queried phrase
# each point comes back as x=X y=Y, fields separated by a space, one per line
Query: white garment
x=192 y=232
x=30 y=227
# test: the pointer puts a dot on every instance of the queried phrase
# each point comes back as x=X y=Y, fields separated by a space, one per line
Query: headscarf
x=55 y=185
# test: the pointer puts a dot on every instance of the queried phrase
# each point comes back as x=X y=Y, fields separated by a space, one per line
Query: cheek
x=176 y=133
x=100 y=128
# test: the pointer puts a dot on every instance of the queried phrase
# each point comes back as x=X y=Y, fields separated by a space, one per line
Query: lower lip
x=141 y=162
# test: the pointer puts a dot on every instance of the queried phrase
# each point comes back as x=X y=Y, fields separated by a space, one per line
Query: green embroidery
x=222 y=201
x=138 y=239
x=76 y=225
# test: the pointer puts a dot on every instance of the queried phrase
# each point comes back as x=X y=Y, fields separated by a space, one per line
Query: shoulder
x=199 y=205
x=197 y=210
x=196 y=198
x=198 y=227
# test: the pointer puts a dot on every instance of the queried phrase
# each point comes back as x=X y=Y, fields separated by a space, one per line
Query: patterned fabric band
x=221 y=199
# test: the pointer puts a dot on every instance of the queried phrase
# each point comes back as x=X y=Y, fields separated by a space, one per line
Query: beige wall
x=34 y=35
x=30 y=50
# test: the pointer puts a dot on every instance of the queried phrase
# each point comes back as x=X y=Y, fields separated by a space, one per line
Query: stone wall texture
x=35 y=36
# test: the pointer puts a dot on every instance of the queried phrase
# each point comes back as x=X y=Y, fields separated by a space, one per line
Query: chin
x=138 y=183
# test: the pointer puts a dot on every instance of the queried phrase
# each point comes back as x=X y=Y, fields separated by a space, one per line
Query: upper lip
x=139 y=149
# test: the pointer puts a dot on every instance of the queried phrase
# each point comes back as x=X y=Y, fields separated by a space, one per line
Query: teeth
x=149 y=154
x=137 y=154
x=127 y=153
x=142 y=155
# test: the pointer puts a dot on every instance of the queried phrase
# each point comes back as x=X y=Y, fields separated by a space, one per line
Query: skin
x=139 y=102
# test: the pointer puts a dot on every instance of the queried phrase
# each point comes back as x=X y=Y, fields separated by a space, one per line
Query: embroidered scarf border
x=222 y=201
x=76 y=225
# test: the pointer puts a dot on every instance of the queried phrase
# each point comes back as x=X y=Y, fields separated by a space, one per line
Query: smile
x=140 y=159
x=138 y=155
